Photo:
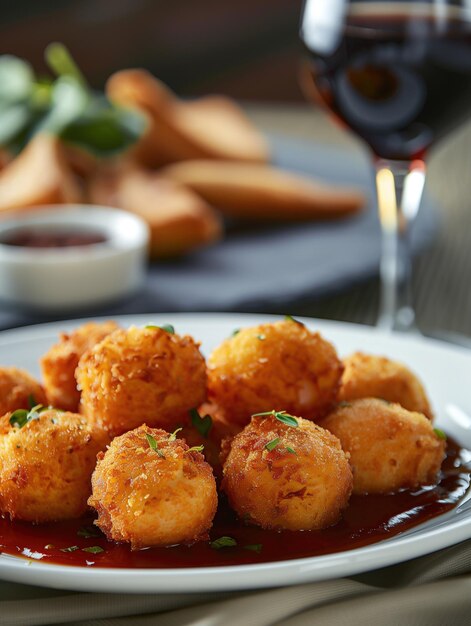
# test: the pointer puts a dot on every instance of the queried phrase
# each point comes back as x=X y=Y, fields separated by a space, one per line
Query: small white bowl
x=63 y=279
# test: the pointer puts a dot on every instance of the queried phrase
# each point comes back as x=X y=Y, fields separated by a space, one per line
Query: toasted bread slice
x=261 y=192
x=213 y=127
x=179 y=220
x=38 y=175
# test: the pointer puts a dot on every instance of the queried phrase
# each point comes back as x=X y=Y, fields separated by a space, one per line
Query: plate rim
x=237 y=577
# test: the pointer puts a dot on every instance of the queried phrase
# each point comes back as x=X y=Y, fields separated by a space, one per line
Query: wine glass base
x=402 y=321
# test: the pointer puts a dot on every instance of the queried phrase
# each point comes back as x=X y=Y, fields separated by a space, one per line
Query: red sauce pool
x=367 y=520
x=62 y=239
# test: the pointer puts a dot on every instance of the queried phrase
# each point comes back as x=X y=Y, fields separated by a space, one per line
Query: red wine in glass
x=398 y=74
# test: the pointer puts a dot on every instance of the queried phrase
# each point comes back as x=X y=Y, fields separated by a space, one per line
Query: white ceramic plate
x=446 y=371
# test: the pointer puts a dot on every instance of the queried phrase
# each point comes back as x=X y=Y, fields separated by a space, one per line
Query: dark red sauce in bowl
x=31 y=238
x=367 y=520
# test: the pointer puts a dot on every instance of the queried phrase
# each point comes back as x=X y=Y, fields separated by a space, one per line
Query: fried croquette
x=292 y=476
x=281 y=365
x=18 y=390
x=59 y=363
x=390 y=448
x=371 y=376
x=151 y=489
x=141 y=375
x=46 y=461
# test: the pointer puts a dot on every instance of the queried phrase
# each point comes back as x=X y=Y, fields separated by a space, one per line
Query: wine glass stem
x=399 y=187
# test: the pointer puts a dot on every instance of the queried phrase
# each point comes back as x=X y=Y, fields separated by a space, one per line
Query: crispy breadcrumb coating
x=390 y=448
x=152 y=490
x=18 y=390
x=371 y=376
x=284 y=477
x=59 y=363
x=141 y=375
x=281 y=365
x=46 y=466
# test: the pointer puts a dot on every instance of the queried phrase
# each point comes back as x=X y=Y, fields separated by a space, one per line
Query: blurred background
x=247 y=49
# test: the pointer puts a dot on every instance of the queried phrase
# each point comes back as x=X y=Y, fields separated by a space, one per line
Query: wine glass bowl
x=398 y=74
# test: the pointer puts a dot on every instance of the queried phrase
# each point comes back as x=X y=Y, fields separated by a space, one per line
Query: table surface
x=442 y=274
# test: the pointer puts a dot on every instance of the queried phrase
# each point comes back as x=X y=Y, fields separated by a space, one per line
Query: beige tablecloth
x=430 y=591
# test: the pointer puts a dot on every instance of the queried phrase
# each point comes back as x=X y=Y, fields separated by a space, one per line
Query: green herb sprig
x=202 y=424
x=153 y=445
x=223 y=542
x=290 y=318
x=93 y=549
x=65 y=106
x=196 y=449
x=281 y=416
x=167 y=327
x=271 y=445
x=440 y=433
x=21 y=417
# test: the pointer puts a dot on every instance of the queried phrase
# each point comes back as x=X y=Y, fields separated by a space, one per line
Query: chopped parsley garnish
x=20 y=417
x=235 y=332
x=153 y=445
x=202 y=424
x=167 y=327
x=173 y=436
x=196 y=449
x=93 y=549
x=440 y=433
x=223 y=542
x=281 y=416
x=88 y=531
x=254 y=547
x=70 y=549
x=271 y=445
x=261 y=337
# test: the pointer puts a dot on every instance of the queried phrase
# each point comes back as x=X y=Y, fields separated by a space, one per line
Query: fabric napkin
x=434 y=590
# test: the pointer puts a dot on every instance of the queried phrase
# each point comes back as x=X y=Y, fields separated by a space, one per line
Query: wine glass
x=398 y=74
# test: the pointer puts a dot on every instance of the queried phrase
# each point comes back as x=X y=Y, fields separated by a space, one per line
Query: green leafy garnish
x=202 y=424
x=65 y=106
x=344 y=404
x=261 y=337
x=70 y=549
x=254 y=547
x=235 y=332
x=153 y=445
x=88 y=531
x=440 y=433
x=281 y=416
x=291 y=450
x=167 y=327
x=271 y=445
x=290 y=318
x=223 y=542
x=173 y=435
x=93 y=549
x=21 y=417
x=196 y=449
x=31 y=401
x=61 y=62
